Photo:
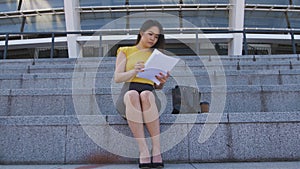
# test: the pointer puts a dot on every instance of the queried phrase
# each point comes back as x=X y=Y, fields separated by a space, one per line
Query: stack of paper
x=157 y=63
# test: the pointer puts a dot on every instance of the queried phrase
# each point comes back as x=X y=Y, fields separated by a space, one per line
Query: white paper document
x=157 y=62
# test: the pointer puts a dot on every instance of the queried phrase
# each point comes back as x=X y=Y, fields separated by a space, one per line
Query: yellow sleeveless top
x=133 y=55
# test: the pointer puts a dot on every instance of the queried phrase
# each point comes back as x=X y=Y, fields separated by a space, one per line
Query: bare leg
x=135 y=121
x=151 y=119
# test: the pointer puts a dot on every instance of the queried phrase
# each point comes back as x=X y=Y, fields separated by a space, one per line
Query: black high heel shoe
x=145 y=165
x=158 y=165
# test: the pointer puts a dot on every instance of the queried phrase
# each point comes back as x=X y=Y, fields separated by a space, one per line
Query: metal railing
x=101 y=33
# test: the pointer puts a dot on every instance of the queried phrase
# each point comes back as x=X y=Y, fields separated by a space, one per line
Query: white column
x=236 y=22
x=72 y=17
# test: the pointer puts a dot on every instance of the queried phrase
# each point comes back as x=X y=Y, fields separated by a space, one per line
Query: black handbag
x=185 y=99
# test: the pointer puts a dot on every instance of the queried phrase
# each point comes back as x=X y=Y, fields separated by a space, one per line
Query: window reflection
x=101 y=2
x=206 y=18
x=116 y=20
x=262 y=19
x=45 y=23
x=270 y=2
x=139 y=2
x=152 y=2
x=10 y=24
x=205 y=1
x=9 y=5
x=167 y=19
x=294 y=18
x=41 y=4
x=296 y=2
x=93 y=21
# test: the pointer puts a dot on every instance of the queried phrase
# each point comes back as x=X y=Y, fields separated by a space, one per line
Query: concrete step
x=232 y=165
x=254 y=58
x=95 y=101
x=56 y=61
x=250 y=58
x=108 y=65
x=47 y=120
x=251 y=136
x=105 y=79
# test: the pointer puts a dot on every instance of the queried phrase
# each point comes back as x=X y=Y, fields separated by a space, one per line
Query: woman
x=140 y=102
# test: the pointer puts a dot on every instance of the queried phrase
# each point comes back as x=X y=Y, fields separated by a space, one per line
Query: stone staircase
x=57 y=111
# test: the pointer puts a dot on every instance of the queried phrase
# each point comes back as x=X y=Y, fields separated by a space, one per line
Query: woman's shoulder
x=126 y=49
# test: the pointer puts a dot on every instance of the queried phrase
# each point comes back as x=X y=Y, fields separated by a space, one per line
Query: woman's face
x=149 y=37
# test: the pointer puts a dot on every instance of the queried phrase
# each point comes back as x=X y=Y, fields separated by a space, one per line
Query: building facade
x=91 y=28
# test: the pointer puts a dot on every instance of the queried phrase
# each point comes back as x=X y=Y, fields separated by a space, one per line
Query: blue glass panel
x=205 y=1
x=294 y=18
x=270 y=2
x=206 y=18
x=10 y=24
x=263 y=19
x=101 y=2
x=6 y=6
x=45 y=23
x=153 y=2
x=167 y=19
x=42 y=4
x=296 y=2
x=94 y=21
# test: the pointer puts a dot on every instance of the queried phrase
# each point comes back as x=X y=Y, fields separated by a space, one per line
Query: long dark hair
x=160 y=44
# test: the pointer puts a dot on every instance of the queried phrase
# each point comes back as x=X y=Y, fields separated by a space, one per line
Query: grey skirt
x=139 y=87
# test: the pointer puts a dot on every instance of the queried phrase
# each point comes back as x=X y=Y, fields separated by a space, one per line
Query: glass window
x=11 y=5
x=167 y=19
x=94 y=21
x=205 y=1
x=10 y=24
x=263 y=19
x=42 y=4
x=152 y=2
x=269 y=2
x=45 y=23
x=294 y=18
x=296 y=2
x=206 y=18
x=101 y=2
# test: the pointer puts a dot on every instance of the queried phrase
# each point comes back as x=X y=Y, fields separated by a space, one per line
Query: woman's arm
x=120 y=74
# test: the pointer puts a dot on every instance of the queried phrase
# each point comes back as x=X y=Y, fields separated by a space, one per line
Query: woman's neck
x=141 y=47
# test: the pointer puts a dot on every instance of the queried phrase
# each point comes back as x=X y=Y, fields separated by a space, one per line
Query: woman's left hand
x=162 y=78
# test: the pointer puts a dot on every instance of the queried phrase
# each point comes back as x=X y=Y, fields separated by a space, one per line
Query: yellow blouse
x=133 y=55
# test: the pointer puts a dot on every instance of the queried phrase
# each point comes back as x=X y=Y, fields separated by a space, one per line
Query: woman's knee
x=147 y=97
x=132 y=96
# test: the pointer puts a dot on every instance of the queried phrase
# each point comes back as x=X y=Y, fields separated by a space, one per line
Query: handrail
x=195 y=31
x=175 y=30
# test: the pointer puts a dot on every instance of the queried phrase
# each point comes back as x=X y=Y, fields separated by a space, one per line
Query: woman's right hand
x=139 y=66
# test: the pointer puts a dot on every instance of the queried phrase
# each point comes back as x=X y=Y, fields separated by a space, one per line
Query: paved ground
x=248 y=165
